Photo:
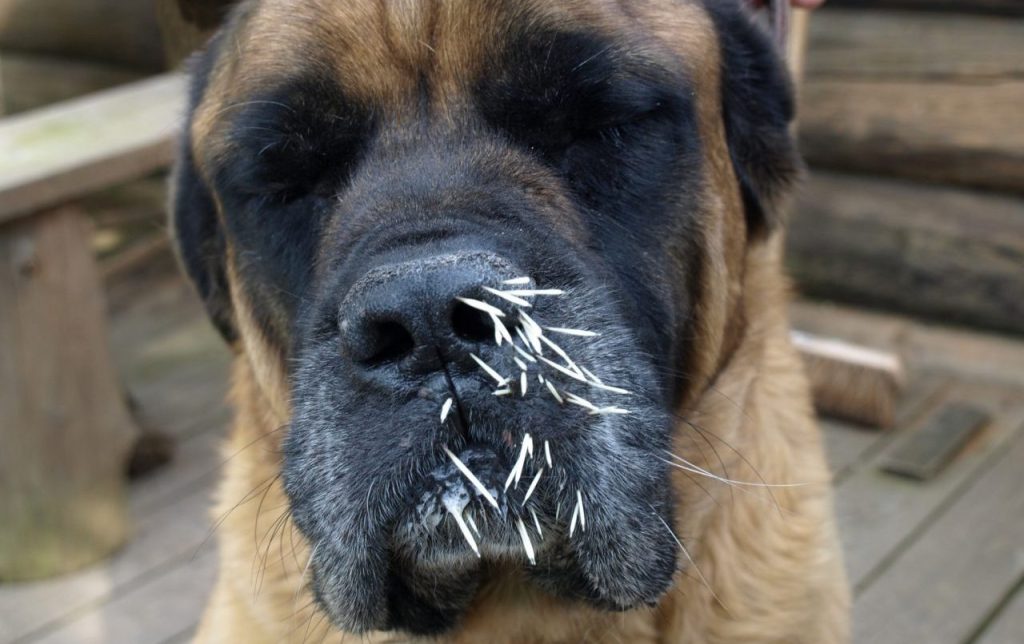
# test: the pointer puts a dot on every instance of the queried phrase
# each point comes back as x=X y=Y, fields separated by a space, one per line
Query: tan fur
x=766 y=562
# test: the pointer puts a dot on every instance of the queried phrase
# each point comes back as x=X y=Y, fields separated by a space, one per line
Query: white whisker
x=688 y=557
x=527 y=545
x=474 y=481
x=695 y=469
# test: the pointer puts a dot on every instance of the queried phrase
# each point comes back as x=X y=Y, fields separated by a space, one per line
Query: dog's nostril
x=471 y=324
x=389 y=341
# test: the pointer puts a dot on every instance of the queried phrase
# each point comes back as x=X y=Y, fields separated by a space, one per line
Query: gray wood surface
x=944 y=585
x=69 y=149
x=880 y=513
x=1008 y=625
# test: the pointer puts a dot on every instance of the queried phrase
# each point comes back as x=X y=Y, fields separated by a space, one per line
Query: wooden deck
x=941 y=561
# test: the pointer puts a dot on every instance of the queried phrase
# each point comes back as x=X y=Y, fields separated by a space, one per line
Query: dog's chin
x=421 y=571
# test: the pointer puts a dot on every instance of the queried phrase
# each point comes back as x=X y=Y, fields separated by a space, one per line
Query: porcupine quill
x=533 y=338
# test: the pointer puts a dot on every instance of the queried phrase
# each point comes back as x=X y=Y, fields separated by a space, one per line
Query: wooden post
x=64 y=429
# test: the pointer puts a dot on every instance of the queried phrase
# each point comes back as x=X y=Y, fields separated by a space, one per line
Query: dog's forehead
x=382 y=52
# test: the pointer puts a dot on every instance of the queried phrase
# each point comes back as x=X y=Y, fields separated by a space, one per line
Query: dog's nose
x=414 y=313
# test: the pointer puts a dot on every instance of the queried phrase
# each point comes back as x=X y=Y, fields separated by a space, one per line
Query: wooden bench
x=65 y=431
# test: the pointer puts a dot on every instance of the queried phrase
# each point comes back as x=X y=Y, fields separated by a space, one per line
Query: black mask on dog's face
x=365 y=235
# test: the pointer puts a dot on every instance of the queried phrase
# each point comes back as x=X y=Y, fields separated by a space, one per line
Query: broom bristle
x=851 y=382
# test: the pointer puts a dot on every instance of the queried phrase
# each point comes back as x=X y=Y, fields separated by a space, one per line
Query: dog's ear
x=758 y=108
x=194 y=223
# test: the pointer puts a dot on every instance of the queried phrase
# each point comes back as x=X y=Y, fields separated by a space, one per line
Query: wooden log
x=939 y=252
x=917 y=96
x=114 y=31
x=915 y=46
x=31 y=81
x=63 y=424
x=936 y=132
x=997 y=7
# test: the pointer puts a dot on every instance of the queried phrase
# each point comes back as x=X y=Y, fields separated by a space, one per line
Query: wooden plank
x=60 y=152
x=157 y=610
x=879 y=513
x=175 y=531
x=961 y=133
x=945 y=584
x=61 y=405
x=895 y=45
x=925 y=452
x=873 y=241
x=1007 y=627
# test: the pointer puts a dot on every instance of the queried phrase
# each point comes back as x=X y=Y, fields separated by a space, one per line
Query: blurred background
x=907 y=238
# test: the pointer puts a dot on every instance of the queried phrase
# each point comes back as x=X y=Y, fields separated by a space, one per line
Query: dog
x=503 y=282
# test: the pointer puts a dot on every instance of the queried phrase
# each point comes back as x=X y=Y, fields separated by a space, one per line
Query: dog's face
x=359 y=176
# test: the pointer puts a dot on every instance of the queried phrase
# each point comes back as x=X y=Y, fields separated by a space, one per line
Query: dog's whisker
x=500 y=379
x=482 y=306
x=686 y=553
x=509 y=297
x=446 y=408
x=474 y=481
x=527 y=544
x=576 y=332
x=533 y=486
x=695 y=469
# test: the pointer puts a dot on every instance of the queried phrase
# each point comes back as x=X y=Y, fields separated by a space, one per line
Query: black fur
x=758 y=108
x=322 y=196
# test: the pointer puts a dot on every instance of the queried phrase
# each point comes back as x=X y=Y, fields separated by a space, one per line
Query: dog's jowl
x=504 y=286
